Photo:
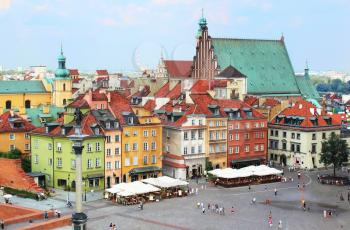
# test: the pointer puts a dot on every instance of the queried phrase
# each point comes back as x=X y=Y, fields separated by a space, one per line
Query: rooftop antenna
x=61 y=48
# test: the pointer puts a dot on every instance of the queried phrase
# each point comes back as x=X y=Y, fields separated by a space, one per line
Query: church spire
x=61 y=71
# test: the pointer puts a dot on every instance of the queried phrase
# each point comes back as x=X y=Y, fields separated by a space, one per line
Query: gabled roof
x=10 y=87
x=97 y=96
x=14 y=123
x=202 y=86
x=73 y=72
x=177 y=68
x=306 y=87
x=102 y=72
x=163 y=91
x=79 y=102
x=231 y=72
x=265 y=63
x=119 y=104
x=251 y=100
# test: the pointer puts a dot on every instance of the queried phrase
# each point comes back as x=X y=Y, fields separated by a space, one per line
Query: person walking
x=232 y=210
x=249 y=187
x=280 y=224
x=203 y=210
x=299 y=175
x=270 y=219
x=298 y=186
x=275 y=191
x=2 y=223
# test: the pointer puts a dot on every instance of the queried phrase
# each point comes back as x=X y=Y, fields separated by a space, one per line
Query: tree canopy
x=334 y=152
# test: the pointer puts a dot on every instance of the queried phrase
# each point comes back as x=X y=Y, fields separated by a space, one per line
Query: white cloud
x=5 y=4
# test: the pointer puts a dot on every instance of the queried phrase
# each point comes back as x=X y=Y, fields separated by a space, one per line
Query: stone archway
x=283 y=160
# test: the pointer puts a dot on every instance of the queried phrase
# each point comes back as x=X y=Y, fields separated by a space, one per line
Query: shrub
x=20 y=193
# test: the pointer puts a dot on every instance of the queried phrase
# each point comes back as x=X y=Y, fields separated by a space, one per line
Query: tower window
x=64 y=101
x=64 y=87
x=8 y=104
x=27 y=104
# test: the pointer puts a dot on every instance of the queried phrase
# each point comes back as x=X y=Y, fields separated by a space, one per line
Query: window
x=230 y=127
x=262 y=124
x=211 y=148
x=26 y=136
x=313 y=148
x=89 y=147
x=298 y=148
x=284 y=145
x=237 y=136
x=145 y=146
x=64 y=87
x=154 y=159
x=192 y=150
x=246 y=148
x=230 y=150
x=223 y=135
x=108 y=152
x=211 y=123
x=256 y=124
x=134 y=147
x=59 y=147
x=26 y=147
x=262 y=134
x=247 y=125
x=117 y=164
x=237 y=126
x=8 y=104
x=292 y=147
x=12 y=136
x=284 y=134
x=154 y=133
x=73 y=164
x=223 y=148
x=135 y=161
x=256 y=147
x=246 y=136
x=200 y=134
x=116 y=151
x=217 y=123
x=271 y=132
x=185 y=136
x=217 y=135
x=108 y=139
x=193 y=134
x=262 y=147
x=89 y=163
x=293 y=135
x=12 y=147
x=185 y=150
x=200 y=149
x=276 y=133
x=217 y=148
x=49 y=146
x=36 y=159
x=97 y=131
x=230 y=137
x=145 y=160
x=298 y=136
x=50 y=162
x=193 y=121
x=59 y=162
x=236 y=149
x=27 y=104
x=98 y=162
x=126 y=147
x=314 y=136
x=153 y=146
x=145 y=133
x=116 y=138
x=167 y=148
x=135 y=133
x=257 y=135
x=108 y=125
x=127 y=133
x=98 y=146
x=200 y=121
x=127 y=161
x=108 y=165
x=211 y=135
x=323 y=135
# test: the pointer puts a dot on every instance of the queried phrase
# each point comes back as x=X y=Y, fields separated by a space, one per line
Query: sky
x=129 y=35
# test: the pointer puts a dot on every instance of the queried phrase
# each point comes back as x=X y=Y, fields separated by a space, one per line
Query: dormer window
x=46 y=129
x=108 y=125
x=216 y=111
x=97 y=131
x=116 y=124
x=130 y=120
x=63 y=131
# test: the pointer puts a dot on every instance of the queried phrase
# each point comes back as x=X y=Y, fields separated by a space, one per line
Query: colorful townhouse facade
x=296 y=135
x=54 y=157
x=14 y=133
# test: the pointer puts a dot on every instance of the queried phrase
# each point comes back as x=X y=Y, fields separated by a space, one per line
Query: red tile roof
x=251 y=100
x=77 y=80
x=119 y=104
x=102 y=72
x=178 y=68
x=143 y=92
x=150 y=105
x=124 y=84
x=73 y=72
x=174 y=164
x=306 y=111
x=173 y=156
x=202 y=86
x=271 y=102
x=97 y=96
x=7 y=123
x=163 y=91
x=79 y=102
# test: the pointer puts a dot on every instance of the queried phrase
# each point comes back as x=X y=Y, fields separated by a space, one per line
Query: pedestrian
x=216 y=208
x=275 y=191
x=203 y=210
x=212 y=208
x=232 y=210
x=111 y=226
x=298 y=186
x=249 y=187
x=280 y=224
x=2 y=223
x=318 y=177
x=202 y=205
x=58 y=214
x=114 y=227
x=46 y=215
x=253 y=200
x=198 y=205
x=208 y=206
x=299 y=175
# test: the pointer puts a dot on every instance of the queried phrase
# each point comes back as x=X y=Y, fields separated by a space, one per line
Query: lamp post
x=68 y=188
x=79 y=218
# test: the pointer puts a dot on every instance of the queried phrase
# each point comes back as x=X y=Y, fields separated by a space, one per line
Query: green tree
x=334 y=151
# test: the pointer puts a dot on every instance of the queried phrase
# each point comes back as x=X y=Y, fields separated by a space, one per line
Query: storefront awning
x=96 y=175
x=247 y=160
x=145 y=170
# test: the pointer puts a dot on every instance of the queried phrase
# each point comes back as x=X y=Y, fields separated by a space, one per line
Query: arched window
x=64 y=87
x=64 y=101
x=27 y=104
x=8 y=104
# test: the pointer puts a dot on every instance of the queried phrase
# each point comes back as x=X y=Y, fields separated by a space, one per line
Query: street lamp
x=68 y=188
x=79 y=218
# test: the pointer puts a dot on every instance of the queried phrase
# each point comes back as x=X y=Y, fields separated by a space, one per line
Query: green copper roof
x=35 y=113
x=265 y=63
x=21 y=87
x=61 y=71
x=306 y=87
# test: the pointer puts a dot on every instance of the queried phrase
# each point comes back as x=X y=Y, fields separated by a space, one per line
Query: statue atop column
x=78 y=116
